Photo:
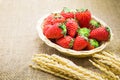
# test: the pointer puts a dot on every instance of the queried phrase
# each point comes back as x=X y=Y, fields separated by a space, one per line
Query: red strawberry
x=54 y=18
x=92 y=44
x=56 y=31
x=94 y=24
x=79 y=43
x=100 y=34
x=47 y=20
x=66 y=42
x=89 y=47
x=83 y=17
x=67 y=13
x=72 y=27
x=46 y=27
x=58 y=18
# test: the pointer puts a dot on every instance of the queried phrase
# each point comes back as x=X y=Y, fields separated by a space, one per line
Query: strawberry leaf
x=94 y=43
x=108 y=29
x=83 y=32
x=81 y=10
x=95 y=23
x=65 y=9
x=64 y=30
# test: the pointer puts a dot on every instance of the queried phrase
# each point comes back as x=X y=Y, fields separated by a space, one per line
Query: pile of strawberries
x=75 y=30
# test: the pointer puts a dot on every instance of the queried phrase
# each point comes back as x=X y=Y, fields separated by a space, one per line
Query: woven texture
x=19 y=40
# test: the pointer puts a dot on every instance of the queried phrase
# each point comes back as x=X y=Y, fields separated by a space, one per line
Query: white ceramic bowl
x=71 y=52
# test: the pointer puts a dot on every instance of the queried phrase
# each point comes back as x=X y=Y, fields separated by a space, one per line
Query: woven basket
x=71 y=52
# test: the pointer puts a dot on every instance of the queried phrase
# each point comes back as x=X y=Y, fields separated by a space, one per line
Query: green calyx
x=94 y=43
x=84 y=32
x=65 y=9
x=64 y=30
x=95 y=23
x=108 y=29
x=81 y=10
x=71 y=43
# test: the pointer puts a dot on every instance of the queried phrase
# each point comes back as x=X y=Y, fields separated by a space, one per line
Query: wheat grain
x=80 y=69
x=113 y=67
x=114 y=59
x=63 y=67
x=103 y=57
x=110 y=74
x=52 y=72
x=59 y=67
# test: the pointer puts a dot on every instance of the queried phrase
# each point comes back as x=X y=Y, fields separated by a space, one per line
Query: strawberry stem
x=64 y=30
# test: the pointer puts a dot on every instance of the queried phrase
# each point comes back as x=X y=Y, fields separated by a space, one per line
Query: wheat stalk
x=115 y=60
x=63 y=67
x=80 y=69
x=59 y=67
x=108 y=73
x=55 y=68
x=113 y=67
x=108 y=64
x=104 y=57
x=50 y=71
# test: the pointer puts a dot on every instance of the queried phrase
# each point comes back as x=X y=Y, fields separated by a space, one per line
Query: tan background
x=19 y=40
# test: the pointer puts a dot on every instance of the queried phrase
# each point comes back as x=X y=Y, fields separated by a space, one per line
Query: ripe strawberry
x=92 y=44
x=54 y=18
x=79 y=43
x=100 y=34
x=83 y=17
x=67 y=13
x=58 y=18
x=48 y=19
x=46 y=27
x=94 y=24
x=83 y=32
x=56 y=31
x=72 y=27
x=66 y=42
x=89 y=47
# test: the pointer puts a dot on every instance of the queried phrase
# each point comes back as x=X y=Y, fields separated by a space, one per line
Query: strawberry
x=56 y=31
x=94 y=24
x=66 y=42
x=46 y=27
x=67 y=13
x=47 y=20
x=79 y=43
x=100 y=34
x=83 y=32
x=89 y=47
x=83 y=17
x=54 y=18
x=72 y=27
x=58 y=18
x=92 y=44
